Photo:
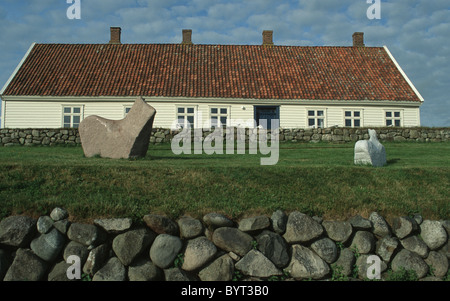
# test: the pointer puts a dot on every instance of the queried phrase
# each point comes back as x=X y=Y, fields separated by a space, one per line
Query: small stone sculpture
x=125 y=138
x=370 y=151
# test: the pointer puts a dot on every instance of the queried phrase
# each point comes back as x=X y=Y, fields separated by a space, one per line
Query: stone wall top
x=50 y=137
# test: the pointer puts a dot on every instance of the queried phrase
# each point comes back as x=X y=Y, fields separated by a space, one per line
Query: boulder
x=177 y=274
x=125 y=138
x=360 y=223
x=144 y=270
x=254 y=223
x=190 y=227
x=346 y=262
x=255 y=264
x=44 y=224
x=337 y=230
x=409 y=261
x=221 y=269
x=5 y=262
x=232 y=240
x=75 y=248
x=127 y=246
x=26 y=267
x=47 y=246
x=438 y=263
x=404 y=226
x=301 y=228
x=279 y=220
x=114 y=225
x=416 y=245
x=164 y=250
x=274 y=247
x=17 y=231
x=380 y=226
x=326 y=249
x=198 y=252
x=217 y=220
x=161 y=224
x=306 y=264
x=96 y=259
x=433 y=234
x=59 y=272
x=363 y=242
x=370 y=152
x=86 y=234
x=386 y=247
x=62 y=226
x=58 y=214
x=113 y=270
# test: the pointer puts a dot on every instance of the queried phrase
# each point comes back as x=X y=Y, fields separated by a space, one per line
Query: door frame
x=255 y=113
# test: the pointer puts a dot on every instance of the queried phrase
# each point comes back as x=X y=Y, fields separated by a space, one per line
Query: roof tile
x=218 y=71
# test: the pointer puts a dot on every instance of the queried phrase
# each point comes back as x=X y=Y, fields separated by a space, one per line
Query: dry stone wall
x=283 y=246
x=29 y=137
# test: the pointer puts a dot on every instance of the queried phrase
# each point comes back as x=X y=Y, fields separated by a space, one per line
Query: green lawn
x=317 y=179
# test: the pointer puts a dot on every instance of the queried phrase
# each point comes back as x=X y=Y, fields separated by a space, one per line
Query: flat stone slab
x=118 y=139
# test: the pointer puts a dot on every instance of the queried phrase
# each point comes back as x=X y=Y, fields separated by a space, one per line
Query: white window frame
x=316 y=117
x=71 y=114
x=219 y=114
x=353 y=118
x=186 y=114
x=393 y=118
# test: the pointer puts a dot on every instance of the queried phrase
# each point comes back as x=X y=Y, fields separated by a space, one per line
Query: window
x=393 y=118
x=72 y=116
x=126 y=110
x=316 y=118
x=352 y=118
x=185 y=116
x=219 y=116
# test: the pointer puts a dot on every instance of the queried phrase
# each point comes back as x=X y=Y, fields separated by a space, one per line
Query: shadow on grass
x=392 y=161
x=189 y=157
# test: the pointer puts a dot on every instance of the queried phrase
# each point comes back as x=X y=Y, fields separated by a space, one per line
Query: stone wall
x=63 y=136
x=283 y=246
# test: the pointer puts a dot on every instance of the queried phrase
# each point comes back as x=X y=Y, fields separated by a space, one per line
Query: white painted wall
x=48 y=114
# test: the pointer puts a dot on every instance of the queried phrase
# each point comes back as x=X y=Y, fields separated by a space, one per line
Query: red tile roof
x=217 y=71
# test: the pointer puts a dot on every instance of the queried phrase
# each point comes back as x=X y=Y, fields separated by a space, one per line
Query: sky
x=417 y=32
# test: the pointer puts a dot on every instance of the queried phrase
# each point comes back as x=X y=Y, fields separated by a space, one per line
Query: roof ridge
x=227 y=45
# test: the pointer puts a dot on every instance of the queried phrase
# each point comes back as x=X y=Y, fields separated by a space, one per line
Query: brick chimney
x=267 y=36
x=358 y=39
x=187 y=36
x=115 y=35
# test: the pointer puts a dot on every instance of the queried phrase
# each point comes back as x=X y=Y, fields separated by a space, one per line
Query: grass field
x=317 y=179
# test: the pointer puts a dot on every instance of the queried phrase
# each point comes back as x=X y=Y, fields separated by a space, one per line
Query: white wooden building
x=57 y=85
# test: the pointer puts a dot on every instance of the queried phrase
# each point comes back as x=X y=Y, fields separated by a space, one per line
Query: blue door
x=267 y=113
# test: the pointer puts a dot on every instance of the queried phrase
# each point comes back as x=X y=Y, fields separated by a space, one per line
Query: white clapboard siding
x=48 y=114
x=26 y=114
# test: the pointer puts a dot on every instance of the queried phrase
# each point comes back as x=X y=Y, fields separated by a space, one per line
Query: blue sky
x=416 y=32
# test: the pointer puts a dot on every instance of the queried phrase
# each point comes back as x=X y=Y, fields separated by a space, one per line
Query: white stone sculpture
x=370 y=151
